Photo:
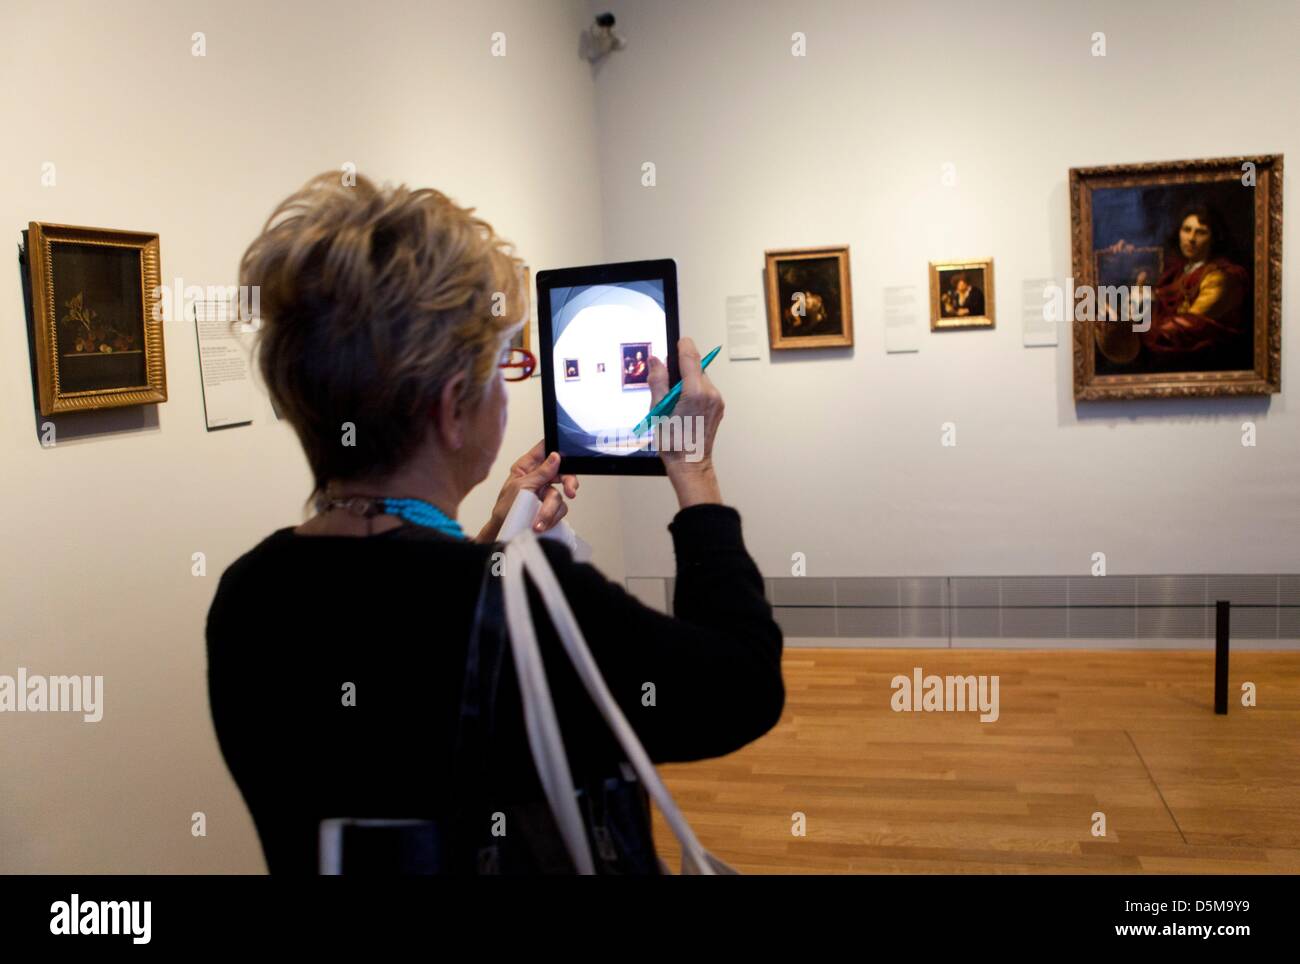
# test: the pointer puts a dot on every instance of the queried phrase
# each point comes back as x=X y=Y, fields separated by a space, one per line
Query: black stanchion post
x=1222 y=610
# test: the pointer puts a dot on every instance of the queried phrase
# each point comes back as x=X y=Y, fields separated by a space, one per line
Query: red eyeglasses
x=518 y=364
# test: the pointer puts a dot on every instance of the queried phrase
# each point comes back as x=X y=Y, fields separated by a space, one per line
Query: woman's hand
x=685 y=443
x=535 y=471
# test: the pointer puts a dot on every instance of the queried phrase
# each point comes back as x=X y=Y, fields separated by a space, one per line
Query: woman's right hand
x=686 y=443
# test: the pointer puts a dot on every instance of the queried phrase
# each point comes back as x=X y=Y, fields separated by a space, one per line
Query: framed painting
x=961 y=294
x=809 y=298
x=1177 y=278
x=636 y=365
x=98 y=344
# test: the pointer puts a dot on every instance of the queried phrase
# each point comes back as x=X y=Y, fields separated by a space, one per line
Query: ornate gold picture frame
x=98 y=344
x=961 y=295
x=1198 y=246
x=809 y=297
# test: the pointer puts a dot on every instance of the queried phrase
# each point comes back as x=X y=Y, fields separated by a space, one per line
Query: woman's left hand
x=535 y=472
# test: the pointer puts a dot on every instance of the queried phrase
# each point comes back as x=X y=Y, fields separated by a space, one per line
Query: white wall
x=837 y=454
x=98 y=531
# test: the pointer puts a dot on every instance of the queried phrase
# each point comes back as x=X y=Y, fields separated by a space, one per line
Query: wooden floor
x=1130 y=734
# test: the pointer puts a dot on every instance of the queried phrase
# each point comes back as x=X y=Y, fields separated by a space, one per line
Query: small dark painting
x=100 y=317
x=809 y=302
x=97 y=317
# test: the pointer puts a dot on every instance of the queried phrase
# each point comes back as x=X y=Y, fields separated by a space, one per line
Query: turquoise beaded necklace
x=415 y=511
x=421 y=513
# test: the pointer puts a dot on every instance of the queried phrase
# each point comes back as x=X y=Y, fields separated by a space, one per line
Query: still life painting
x=98 y=339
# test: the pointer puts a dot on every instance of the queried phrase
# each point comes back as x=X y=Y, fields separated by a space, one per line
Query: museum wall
x=100 y=529
x=837 y=453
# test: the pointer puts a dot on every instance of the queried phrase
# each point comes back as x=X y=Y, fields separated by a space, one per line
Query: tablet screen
x=601 y=337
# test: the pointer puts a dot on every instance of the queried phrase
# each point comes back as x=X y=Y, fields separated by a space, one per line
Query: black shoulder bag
x=500 y=835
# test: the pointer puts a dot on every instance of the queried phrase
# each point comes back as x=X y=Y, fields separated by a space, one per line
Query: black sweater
x=298 y=617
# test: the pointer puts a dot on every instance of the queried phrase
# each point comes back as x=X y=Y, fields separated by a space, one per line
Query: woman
x=336 y=649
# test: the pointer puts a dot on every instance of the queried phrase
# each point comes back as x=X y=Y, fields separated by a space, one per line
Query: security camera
x=601 y=38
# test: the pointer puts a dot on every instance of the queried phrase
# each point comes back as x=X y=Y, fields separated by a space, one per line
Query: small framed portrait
x=809 y=297
x=97 y=335
x=600 y=368
x=961 y=294
x=636 y=365
x=571 y=373
x=1177 y=278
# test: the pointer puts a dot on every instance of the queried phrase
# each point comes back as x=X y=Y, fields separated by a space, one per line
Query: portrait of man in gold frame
x=98 y=343
x=1195 y=248
x=961 y=295
x=809 y=297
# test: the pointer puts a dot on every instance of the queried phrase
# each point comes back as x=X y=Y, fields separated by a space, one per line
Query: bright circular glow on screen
x=601 y=399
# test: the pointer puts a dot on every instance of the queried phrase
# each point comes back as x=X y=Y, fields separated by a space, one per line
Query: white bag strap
x=544 y=738
x=523 y=553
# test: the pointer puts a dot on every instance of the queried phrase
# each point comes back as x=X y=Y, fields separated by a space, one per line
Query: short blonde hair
x=372 y=300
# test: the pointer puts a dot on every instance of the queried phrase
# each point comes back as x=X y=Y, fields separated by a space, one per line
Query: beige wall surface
x=836 y=453
x=99 y=531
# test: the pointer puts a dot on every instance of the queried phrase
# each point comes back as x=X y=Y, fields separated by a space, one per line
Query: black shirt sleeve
x=699 y=684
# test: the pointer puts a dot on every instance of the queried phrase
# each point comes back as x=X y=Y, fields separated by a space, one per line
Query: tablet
x=598 y=327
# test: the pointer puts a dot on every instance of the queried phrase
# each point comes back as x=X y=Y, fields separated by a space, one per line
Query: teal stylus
x=669 y=401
